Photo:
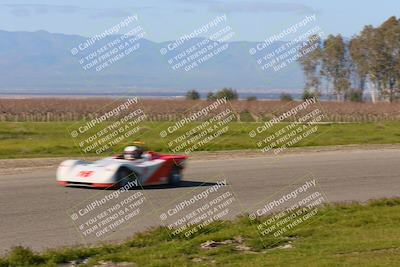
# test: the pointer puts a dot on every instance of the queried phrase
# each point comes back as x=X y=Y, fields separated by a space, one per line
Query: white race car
x=147 y=168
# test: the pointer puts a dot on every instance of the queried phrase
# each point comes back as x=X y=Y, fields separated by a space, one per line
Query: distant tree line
x=346 y=67
x=229 y=93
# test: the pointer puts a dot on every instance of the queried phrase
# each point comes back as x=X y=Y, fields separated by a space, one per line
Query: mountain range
x=41 y=62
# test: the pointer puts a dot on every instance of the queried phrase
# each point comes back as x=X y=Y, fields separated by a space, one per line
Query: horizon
x=153 y=41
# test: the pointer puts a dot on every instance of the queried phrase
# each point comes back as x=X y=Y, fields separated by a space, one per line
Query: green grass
x=37 y=139
x=341 y=235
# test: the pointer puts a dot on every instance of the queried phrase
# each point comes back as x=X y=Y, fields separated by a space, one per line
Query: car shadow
x=181 y=184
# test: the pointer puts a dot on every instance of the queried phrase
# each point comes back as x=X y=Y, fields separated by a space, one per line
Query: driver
x=133 y=152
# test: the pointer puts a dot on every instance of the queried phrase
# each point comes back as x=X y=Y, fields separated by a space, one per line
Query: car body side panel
x=83 y=172
x=102 y=173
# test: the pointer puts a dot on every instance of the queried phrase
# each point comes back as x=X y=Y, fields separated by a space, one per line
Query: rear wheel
x=125 y=176
x=175 y=175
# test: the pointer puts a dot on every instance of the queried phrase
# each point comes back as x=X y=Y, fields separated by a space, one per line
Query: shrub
x=229 y=93
x=251 y=98
x=211 y=96
x=354 y=95
x=286 y=97
x=21 y=256
x=307 y=94
x=192 y=95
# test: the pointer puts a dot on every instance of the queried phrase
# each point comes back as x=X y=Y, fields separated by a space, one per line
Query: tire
x=124 y=176
x=175 y=176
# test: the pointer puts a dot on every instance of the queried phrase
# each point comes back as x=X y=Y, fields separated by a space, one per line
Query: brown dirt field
x=70 y=109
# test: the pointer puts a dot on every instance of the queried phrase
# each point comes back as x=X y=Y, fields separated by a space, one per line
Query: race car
x=133 y=166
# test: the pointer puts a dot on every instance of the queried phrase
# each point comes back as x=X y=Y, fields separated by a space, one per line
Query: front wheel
x=175 y=176
x=125 y=176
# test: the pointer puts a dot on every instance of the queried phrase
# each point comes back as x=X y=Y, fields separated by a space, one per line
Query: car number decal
x=85 y=173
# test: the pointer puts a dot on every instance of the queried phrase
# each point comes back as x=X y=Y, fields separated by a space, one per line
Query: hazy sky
x=168 y=19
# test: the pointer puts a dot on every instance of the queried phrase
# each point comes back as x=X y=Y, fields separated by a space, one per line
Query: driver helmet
x=132 y=152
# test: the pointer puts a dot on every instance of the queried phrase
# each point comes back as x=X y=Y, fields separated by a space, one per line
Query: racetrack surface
x=33 y=208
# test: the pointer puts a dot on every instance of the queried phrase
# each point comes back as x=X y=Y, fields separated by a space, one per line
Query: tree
x=251 y=98
x=390 y=31
x=192 y=95
x=372 y=56
x=354 y=95
x=381 y=53
x=308 y=95
x=358 y=49
x=210 y=96
x=365 y=51
x=229 y=93
x=286 y=97
x=310 y=60
x=335 y=65
x=376 y=56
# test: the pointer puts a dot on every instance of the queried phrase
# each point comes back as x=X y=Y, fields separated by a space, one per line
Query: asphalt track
x=34 y=209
